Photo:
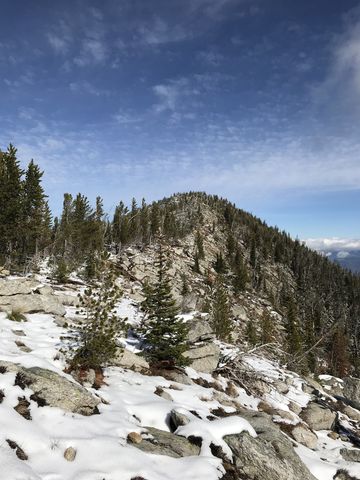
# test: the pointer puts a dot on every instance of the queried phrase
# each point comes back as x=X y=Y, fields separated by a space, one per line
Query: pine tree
x=339 y=356
x=11 y=195
x=220 y=312
x=164 y=333
x=33 y=211
x=97 y=334
x=199 y=243
x=220 y=264
x=241 y=277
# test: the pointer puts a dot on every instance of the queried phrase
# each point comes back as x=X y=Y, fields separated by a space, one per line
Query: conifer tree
x=339 y=356
x=220 y=264
x=97 y=334
x=164 y=333
x=199 y=243
x=240 y=278
x=220 y=311
x=11 y=194
x=292 y=329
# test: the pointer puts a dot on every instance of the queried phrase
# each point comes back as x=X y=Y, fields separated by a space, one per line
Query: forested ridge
x=318 y=300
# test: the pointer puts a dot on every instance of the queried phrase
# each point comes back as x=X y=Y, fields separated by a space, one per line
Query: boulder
x=178 y=419
x=352 y=388
x=199 y=330
x=269 y=456
x=204 y=358
x=17 y=286
x=350 y=455
x=127 y=359
x=70 y=454
x=159 y=442
x=352 y=413
x=54 y=390
x=68 y=300
x=188 y=302
x=45 y=290
x=318 y=417
x=4 y=272
x=302 y=434
x=33 y=303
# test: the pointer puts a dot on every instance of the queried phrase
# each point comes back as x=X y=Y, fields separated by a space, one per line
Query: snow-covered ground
x=130 y=406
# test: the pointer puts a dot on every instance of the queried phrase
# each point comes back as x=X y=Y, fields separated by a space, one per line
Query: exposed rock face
x=318 y=417
x=127 y=359
x=32 y=303
x=204 y=358
x=69 y=300
x=352 y=388
x=269 y=456
x=54 y=390
x=165 y=443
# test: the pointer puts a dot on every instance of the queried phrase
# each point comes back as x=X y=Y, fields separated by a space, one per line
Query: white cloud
x=159 y=32
x=82 y=87
x=94 y=51
x=169 y=94
x=343 y=245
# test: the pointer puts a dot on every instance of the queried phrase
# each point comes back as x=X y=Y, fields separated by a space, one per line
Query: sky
x=256 y=101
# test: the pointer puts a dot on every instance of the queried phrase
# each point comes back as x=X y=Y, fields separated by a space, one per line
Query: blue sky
x=256 y=101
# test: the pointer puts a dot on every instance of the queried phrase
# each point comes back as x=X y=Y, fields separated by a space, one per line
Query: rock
x=127 y=359
x=68 y=300
x=302 y=434
x=160 y=392
x=166 y=443
x=199 y=330
x=204 y=358
x=32 y=304
x=281 y=387
x=45 y=290
x=311 y=385
x=134 y=437
x=175 y=375
x=4 y=272
x=352 y=388
x=333 y=435
x=178 y=419
x=318 y=417
x=350 y=455
x=55 y=390
x=343 y=475
x=295 y=407
x=240 y=313
x=269 y=456
x=352 y=413
x=17 y=286
x=189 y=302
x=70 y=454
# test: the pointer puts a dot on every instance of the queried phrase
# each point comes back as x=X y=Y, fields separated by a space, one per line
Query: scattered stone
x=19 y=333
x=160 y=392
x=318 y=417
x=178 y=419
x=343 y=475
x=333 y=435
x=295 y=407
x=134 y=437
x=352 y=413
x=231 y=390
x=350 y=455
x=70 y=454
x=2 y=395
x=159 y=442
x=18 y=450
x=22 y=346
x=174 y=375
x=22 y=408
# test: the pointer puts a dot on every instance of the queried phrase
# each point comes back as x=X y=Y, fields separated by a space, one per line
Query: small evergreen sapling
x=165 y=334
x=101 y=325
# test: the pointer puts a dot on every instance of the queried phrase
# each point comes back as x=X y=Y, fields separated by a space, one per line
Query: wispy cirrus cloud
x=343 y=245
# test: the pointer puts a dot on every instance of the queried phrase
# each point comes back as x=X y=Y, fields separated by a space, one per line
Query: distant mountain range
x=348 y=259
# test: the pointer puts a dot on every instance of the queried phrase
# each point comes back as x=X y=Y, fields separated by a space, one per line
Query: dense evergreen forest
x=319 y=300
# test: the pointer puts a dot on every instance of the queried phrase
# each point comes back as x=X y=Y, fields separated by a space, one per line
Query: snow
x=131 y=406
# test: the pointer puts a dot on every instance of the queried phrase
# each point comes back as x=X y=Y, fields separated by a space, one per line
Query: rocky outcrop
x=200 y=331
x=303 y=435
x=32 y=303
x=269 y=456
x=53 y=389
x=159 y=442
x=318 y=417
x=350 y=455
x=27 y=296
